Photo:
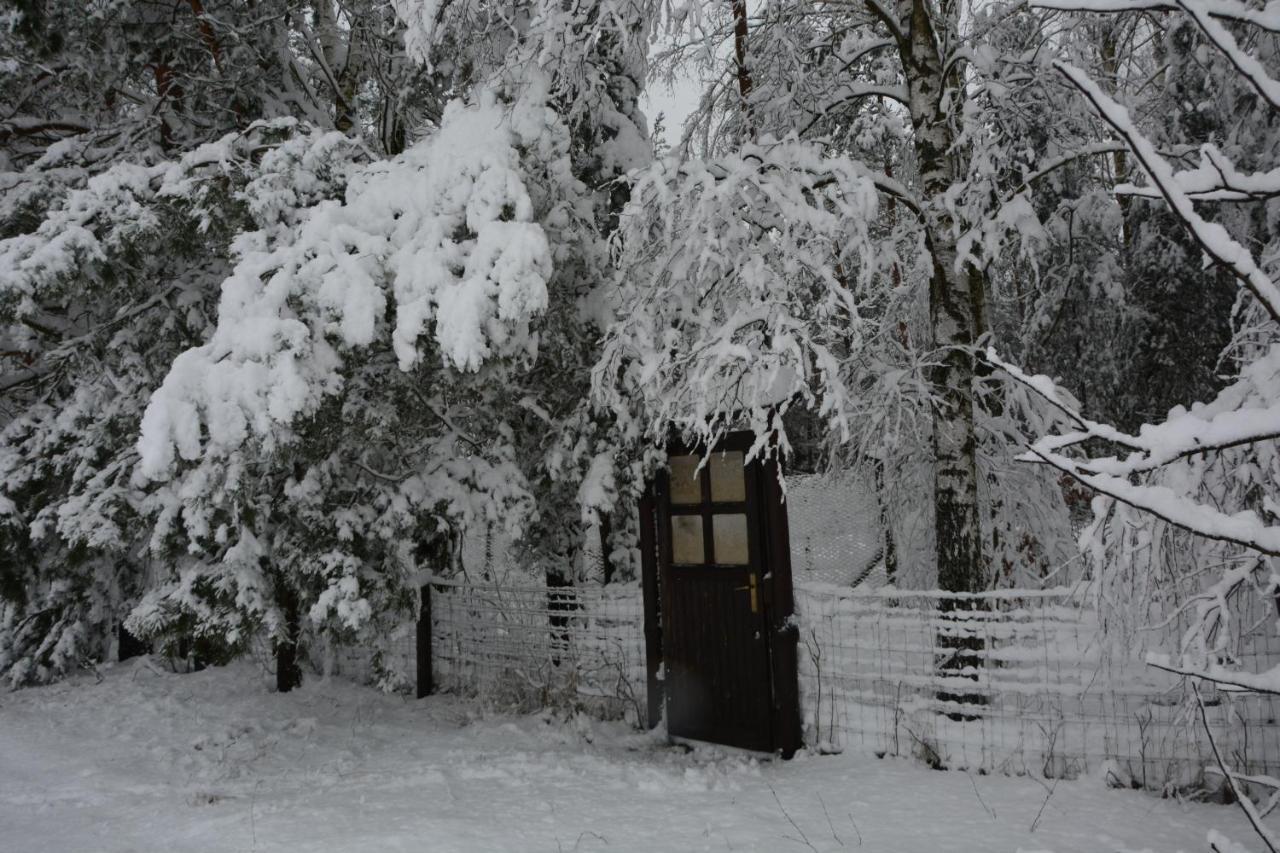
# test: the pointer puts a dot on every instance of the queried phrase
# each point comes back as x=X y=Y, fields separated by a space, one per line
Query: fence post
x=424 y=642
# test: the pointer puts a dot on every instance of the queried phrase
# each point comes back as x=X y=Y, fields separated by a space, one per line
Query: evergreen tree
x=349 y=348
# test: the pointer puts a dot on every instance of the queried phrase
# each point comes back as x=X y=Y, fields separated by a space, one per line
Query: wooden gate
x=718 y=599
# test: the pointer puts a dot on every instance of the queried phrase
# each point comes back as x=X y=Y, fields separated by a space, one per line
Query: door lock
x=755 y=595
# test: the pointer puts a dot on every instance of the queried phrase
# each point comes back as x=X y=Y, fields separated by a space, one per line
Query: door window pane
x=728 y=478
x=729 y=539
x=686 y=540
x=686 y=487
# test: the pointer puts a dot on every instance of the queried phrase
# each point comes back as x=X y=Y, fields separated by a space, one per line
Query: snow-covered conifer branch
x=446 y=231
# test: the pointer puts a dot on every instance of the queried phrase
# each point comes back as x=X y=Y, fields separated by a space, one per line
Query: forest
x=297 y=295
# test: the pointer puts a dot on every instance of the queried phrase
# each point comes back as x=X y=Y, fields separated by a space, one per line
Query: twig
x=854 y=824
x=1245 y=803
x=829 y=823
x=1053 y=788
x=253 y=826
x=783 y=809
x=978 y=794
x=1242 y=681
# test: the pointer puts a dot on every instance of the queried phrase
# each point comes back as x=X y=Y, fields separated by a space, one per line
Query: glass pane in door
x=729 y=539
x=686 y=540
x=686 y=485
x=728 y=477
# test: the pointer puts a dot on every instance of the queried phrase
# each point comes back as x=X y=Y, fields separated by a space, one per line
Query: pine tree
x=143 y=142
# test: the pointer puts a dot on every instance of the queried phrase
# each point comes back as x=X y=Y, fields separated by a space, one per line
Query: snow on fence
x=1015 y=681
x=1011 y=682
x=534 y=645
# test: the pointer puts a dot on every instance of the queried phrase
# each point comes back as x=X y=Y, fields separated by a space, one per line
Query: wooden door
x=723 y=643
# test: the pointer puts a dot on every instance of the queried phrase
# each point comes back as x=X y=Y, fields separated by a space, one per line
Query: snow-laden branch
x=1051 y=165
x=446 y=233
x=1216 y=179
x=98 y=220
x=1233 y=679
x=1248 y=66
x=1212 y=237
x=1185 y=433
x=1235 y=418
x=1058 y=398
x=885 y=16
x=823 y=175
x=1256 y=780
x=1267 y=18
x=733 y=269
x=1244 y=528
x=853 y=92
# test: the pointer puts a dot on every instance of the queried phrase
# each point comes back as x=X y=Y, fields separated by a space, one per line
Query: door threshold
x=694 y=745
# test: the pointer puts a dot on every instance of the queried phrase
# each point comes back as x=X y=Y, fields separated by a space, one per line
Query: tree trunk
x=288 y=672
x=889 y=549
x=739 y=11
x=933 y=94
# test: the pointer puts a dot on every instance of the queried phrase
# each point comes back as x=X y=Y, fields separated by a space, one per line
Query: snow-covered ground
x=145 y=760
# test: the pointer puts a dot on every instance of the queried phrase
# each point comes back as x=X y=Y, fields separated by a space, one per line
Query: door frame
x=773 y=553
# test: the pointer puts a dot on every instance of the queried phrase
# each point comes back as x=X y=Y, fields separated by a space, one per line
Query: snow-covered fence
x=1015 y=681
x=535 y=645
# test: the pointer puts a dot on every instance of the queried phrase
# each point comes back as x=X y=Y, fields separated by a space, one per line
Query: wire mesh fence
x=834 y=530
x=1010 y=682
x=1013 y=681
x=535 y=645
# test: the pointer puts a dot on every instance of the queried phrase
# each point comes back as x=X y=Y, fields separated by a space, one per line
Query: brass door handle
x=755 y=595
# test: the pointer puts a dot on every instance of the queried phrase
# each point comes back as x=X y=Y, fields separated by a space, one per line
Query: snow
x=1215 y=179
x=717 y=325
x=1268 y=18
x=598 y=488
x=419 y=20
x=1242 y=413
x=148 y=760
x=447 y=228
x=1212 y=237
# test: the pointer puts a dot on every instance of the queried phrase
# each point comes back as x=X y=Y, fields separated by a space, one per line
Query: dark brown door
x=715 y=582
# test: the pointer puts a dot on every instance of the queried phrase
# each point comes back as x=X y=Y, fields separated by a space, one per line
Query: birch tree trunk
x=935 y=93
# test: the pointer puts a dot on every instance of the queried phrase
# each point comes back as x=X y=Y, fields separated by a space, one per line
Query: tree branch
x=885 y=17
x=1248 y=67
x=1213 y=238
x=1246 y=804
x=853 y=93
x=1227 y=10
x=1242 y=529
